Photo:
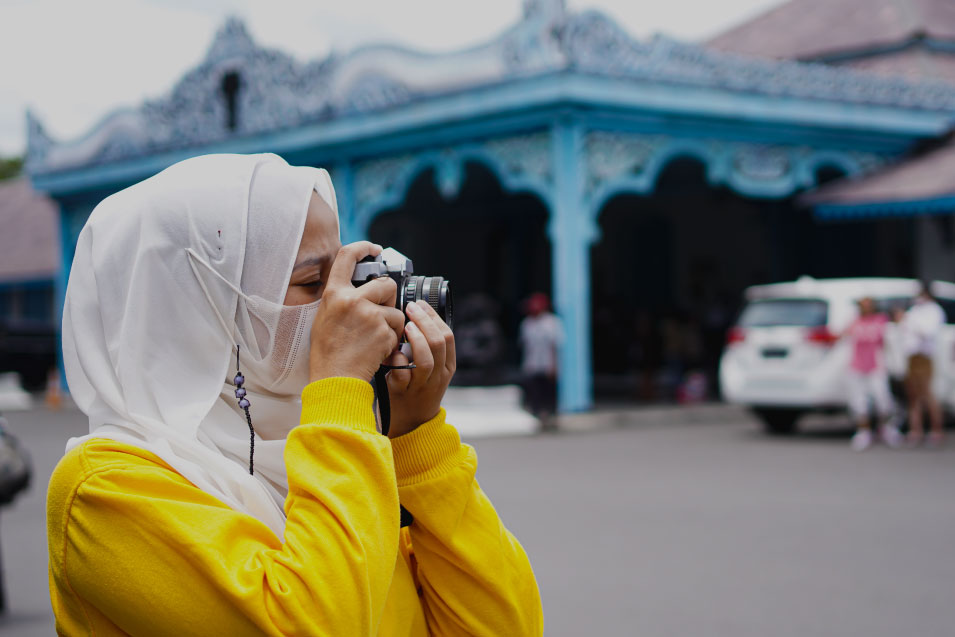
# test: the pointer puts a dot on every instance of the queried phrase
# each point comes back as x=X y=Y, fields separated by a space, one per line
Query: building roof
x=912 y=63
x=915 y=38
x=274 y=93
x=921 y=184
x=29 y=239
x=808 y=29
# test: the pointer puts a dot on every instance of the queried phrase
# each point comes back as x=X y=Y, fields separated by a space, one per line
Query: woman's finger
x=429 y=326
x=395 y=319
x=423 y=358
x=430 y=311
x=450 y=356
x=450 y=360
x=346 y=260
x=380 y=291
x=398 y=379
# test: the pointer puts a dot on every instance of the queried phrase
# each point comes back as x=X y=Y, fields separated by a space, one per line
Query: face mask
x=274 y=339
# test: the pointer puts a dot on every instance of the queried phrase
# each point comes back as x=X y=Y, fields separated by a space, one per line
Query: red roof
x=29 y=235
x=923 y=178
x=821 y=29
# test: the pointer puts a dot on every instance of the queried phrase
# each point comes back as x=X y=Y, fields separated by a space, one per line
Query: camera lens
x=434 y=290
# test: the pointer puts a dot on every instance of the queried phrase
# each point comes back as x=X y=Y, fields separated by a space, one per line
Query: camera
x=435 y=290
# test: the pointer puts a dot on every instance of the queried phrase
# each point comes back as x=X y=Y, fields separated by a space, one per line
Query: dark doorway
x=492 y=246
x=824 y=249
x=669 y=271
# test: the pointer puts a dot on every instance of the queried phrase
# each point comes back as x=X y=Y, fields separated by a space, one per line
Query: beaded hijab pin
x=240 y=393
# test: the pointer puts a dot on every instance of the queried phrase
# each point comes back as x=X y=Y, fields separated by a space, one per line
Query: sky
x=73 y=61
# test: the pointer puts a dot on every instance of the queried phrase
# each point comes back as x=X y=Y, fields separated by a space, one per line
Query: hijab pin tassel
x=244 y=403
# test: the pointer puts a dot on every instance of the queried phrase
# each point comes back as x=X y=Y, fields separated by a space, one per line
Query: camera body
x=435 y=290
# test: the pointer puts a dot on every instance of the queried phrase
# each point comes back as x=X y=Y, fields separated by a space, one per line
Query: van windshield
x=797 y=312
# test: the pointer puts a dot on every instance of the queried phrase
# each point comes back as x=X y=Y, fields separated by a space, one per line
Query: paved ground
x=670 y=525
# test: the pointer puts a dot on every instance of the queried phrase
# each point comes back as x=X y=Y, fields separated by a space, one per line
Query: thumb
x=398 y=379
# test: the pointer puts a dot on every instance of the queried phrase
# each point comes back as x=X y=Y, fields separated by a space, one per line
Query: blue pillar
x=571 y=234
x=72 y=220
x=343 y=178
x=67 y=249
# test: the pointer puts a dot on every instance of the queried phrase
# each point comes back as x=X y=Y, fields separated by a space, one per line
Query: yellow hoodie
x=137 y=549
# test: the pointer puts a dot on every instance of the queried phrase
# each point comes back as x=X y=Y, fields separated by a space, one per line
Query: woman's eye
x=313 y=284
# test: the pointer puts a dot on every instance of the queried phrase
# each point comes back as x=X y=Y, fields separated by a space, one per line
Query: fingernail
x=411 y=327
x=413 y=309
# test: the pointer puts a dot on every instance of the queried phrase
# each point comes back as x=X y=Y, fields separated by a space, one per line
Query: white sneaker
x=862 y=440
x=891 y=436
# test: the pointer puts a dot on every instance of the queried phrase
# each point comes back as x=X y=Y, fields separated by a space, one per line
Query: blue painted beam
x=842 y=212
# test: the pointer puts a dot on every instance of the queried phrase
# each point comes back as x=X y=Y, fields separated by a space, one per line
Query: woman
x=868 y=378
x=212 y=300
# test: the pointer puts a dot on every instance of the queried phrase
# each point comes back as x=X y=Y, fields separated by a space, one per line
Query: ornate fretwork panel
x=624 y=162
x=760 y=162
x=612 y=155
x=382 y=180
x=522 y=156
x=520 y=162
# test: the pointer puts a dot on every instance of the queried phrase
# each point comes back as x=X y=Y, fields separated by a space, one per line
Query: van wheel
x=779 y=422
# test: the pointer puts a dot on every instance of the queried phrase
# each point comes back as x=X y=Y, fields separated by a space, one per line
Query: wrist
x=430 y=450
x=324 y=372
x=404 y=426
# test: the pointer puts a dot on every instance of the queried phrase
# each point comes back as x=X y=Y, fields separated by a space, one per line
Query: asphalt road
x=680 y=529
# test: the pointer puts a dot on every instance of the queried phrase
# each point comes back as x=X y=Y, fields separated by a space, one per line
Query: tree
x=10 y=167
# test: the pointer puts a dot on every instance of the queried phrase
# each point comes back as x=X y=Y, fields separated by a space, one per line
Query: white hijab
x=168 y=276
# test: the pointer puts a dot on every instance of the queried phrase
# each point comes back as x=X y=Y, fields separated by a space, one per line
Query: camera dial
x=434 y=290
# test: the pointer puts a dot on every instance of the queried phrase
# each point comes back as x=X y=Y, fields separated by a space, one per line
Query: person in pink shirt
x=868 y=379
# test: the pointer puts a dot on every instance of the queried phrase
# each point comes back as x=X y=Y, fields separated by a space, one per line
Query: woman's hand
x=355 y=329
x=416 y=393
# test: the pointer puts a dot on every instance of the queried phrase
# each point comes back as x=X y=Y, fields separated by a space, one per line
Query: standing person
x=920 y=328
x=868 y=378
x=540 y=336
x=234 y=481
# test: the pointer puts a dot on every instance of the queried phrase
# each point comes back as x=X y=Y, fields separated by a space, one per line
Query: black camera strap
x=384 y=410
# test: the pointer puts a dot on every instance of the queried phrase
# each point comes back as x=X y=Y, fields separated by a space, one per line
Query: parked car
x=784 y=358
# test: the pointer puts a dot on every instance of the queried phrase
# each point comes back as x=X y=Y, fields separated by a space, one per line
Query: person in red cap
x=541 y=335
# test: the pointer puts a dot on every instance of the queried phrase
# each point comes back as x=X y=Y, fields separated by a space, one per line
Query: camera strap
x=384 y=409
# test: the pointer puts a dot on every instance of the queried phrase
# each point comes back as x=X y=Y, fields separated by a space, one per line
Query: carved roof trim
x=276 y=92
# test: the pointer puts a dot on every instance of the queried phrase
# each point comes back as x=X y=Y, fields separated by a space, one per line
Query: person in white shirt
x=540 y=336
x=920 y=328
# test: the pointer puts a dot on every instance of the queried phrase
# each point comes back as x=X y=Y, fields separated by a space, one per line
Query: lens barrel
x=434 y=290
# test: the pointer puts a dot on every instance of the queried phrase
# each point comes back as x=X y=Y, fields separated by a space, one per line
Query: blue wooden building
x=627 y=178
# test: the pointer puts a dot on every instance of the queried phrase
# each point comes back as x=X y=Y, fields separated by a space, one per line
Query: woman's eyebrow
x=304 y=263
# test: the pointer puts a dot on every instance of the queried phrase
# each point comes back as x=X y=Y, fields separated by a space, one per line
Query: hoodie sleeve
x=136 y=546
x=474 y=576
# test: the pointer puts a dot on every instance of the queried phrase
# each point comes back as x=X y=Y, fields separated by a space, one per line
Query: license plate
x=775 y=352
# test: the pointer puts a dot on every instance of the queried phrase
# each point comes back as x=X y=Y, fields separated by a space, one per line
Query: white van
x=783 y=357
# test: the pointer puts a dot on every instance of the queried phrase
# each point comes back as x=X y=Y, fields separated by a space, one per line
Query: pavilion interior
x=668 y=270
